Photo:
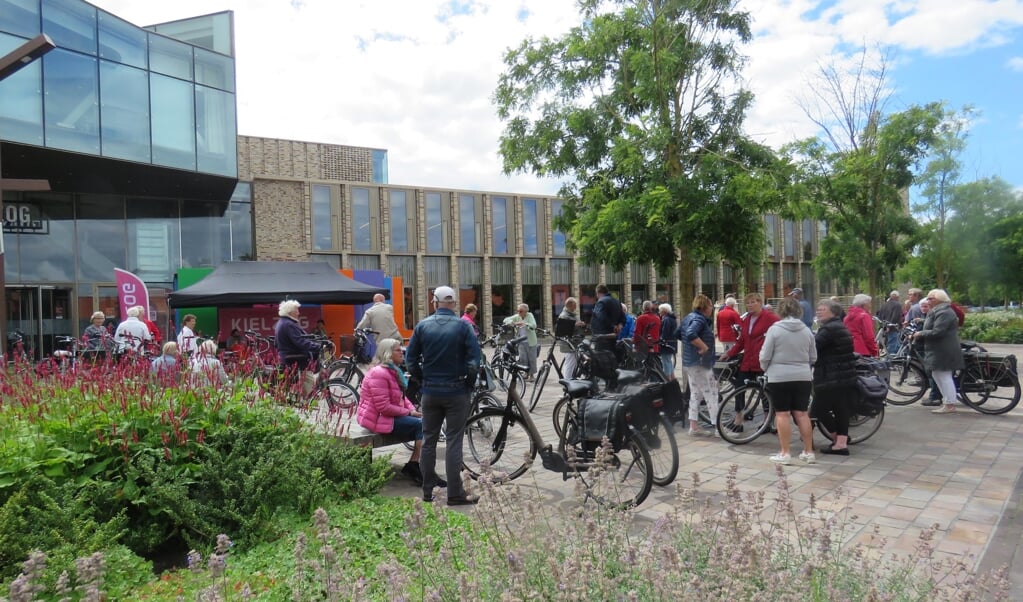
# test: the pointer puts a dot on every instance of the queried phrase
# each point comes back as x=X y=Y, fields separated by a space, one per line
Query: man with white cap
x=444 y=355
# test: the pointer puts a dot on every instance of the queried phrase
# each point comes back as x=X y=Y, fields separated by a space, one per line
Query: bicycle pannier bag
x=873 y=392
x=601 y=417
x=674 y=401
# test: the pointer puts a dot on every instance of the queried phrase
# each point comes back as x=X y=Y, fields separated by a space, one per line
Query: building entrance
x=38 y=315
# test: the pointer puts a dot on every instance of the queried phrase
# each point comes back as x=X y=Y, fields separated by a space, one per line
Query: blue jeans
x=408 y=425
x=437 y=408
x=668 y=364
x=892 y=342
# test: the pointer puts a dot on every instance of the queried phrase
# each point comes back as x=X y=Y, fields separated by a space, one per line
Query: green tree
x=937 y=182
x=640 y=111
x=856 y=174
x=981 y=233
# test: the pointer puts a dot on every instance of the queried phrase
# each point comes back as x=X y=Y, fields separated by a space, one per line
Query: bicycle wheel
x=660 y=440
x=483 y=401
x=861 y=427
x=558 y=415
x=907 y=382
x=538 y=384
x=984 y=395
x=624 y=480
x=497 y=439
x=753 y=403
x=346 y=370
x=339 y=395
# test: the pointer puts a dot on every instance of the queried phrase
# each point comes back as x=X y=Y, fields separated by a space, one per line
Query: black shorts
x=791 y=396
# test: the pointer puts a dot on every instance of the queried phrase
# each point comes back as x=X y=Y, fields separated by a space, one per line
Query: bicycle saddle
x=576 y=388
x=629 y=377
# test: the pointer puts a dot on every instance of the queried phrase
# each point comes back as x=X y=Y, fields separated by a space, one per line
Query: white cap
x=444 y=293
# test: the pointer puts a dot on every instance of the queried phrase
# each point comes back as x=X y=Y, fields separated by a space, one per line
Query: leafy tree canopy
x=640 y=110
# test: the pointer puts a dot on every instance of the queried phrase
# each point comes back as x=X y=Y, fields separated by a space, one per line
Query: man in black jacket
x=891 y=313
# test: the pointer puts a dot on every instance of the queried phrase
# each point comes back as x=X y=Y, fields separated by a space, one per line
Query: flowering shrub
x=96 y=458
x=993 y=327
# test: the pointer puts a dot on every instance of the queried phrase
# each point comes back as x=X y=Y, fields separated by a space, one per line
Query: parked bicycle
x=989 y=383
x=549 y=363
x=346 y=367
x=505 y=441
x=758 y=417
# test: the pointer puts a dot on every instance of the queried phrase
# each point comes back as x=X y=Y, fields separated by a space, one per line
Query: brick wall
x=275 y=158
x=284 y=205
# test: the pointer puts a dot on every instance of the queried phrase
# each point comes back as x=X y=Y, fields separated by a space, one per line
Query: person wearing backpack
x=648 y=329
x=834 y=374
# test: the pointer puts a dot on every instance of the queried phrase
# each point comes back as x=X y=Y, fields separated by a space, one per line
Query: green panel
x=206 y=322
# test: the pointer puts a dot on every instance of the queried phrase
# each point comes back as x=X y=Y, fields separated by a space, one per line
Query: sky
x=416 y=77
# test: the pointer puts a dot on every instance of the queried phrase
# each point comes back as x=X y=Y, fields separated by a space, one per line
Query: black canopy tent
x=244 y=283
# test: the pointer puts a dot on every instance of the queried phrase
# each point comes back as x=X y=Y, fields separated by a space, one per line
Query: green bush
x=159 y=469
x=993 y=327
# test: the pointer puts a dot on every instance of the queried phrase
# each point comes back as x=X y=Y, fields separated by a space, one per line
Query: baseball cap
x=796 y=291
x=444 y=293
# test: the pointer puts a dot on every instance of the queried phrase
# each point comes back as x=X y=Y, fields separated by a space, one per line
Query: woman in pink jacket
x=383 y=407
x=861 y=326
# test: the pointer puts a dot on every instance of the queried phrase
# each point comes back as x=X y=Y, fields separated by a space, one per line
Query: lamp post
x=10 y=63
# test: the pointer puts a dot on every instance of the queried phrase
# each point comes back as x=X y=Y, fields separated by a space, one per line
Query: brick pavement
x=961 y=472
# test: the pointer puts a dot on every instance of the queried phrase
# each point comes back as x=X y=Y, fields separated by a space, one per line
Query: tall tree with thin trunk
x=640 y=109
x=856 y=174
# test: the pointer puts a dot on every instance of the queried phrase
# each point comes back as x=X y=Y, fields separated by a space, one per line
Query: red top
x=726 y=318
x=959 y=313
x=861 y=326
x=751 y=340
x=648 y=330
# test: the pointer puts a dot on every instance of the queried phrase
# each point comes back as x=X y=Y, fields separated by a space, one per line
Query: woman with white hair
x=942 y=352
x=132 y=334
x=861 y=326
x=669 y=340
x=206 y=368
x=293 y=348
x=383 y=407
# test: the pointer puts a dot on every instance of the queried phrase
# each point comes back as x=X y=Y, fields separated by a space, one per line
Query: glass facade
x=115 y=90
x=322 y=223
x=530 y=233
x=434 y=223
x=560 y=241
x=468 y=224
x=499 y=208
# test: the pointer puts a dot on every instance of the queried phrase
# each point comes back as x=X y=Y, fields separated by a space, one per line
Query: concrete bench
x=344 y=426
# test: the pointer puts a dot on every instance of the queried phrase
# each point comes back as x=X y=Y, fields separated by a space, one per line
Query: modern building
x=331 y=203
x=134 y=130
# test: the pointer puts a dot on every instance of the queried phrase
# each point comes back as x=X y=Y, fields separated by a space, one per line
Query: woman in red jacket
x=861 y=326
x=383 y=407
x=751 y=338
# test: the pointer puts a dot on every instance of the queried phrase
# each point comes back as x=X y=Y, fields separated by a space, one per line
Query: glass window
x=560 y=246
x=469 y=228
x=769 y=233
x=214 y=70
x=201 y=234
x=399 y=222
x=124 y=108
x=362 y=232
x=21 y=98
x=789 y=239
x=121 y=42
x=240 y=214
x=153 y=238
x=101 y=235
x=530 y=243
x=368 y=262
x=500 y=224
x=71 y=24
x=173 y=122
x=807 y=240
x=71 y=105
x=434 y=223
x=379 y=166
x=170 y=57
x=215 y=32
x=40 y=238
x=323 y=222
x=21 y=17
x=404 y=268
x=502 y=277
x=216 y=140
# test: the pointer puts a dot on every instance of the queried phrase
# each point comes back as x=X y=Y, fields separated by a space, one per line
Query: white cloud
x=1015 y=63
x=416 y=76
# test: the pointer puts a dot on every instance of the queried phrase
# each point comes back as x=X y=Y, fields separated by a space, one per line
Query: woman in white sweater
x=787 y=357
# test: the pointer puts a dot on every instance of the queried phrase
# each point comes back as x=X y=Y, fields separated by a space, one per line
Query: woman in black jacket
x=834 y=374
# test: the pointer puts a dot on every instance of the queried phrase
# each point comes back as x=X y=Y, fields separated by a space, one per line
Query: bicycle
x=758 y=416
x=346 y=367
x=545 y=367
x=505 y=441
x=499 y=371
x=989 y=382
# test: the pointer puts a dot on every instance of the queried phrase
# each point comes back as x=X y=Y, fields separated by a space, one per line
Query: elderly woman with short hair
x=295 y=351
x=861 y=326
x=942 y=352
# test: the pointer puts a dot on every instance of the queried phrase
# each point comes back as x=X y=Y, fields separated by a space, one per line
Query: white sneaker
x=808 y=457
x=701 y=433
x=784 y=459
